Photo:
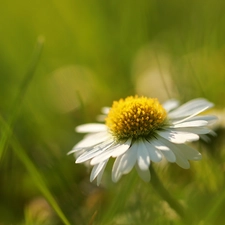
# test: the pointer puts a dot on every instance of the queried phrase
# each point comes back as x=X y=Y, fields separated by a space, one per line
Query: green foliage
x=89 y=53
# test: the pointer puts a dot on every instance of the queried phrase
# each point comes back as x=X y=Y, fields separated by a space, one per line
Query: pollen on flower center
x=135 y=117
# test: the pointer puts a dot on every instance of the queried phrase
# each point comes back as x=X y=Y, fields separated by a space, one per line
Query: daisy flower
x=139 y=130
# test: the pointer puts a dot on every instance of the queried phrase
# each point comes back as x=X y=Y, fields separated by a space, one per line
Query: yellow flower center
x=135 y=117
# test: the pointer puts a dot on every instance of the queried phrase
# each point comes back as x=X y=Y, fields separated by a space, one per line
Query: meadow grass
x=91 y=53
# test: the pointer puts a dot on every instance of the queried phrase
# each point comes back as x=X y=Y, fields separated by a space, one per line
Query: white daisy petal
x=86 y=155
x=170 y=156
x=144 y=174
x=94 y=152
x=105 y=110
x=177 y=136
x=181 y=161
x=99 y=177
x=190 y=153
x=213 y=133
x=101 y=157
x=114 y=149
x=170 y=104
x=116 y=173
x=193 y=107
x=154 y=153
x=196 y=123
x=97 y=169
x=128 y=159
x=166 y=151
x=195 y=130
x=91 y=127
x=143 y=158
x=159 y=145
x=208 y=118
x=101 y=118
x=121 y=148
x=91 y=140
x=181 y=158
x=205 y=138
x=192 y=118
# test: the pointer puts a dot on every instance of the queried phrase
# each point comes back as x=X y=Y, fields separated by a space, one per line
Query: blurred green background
x=60 y=62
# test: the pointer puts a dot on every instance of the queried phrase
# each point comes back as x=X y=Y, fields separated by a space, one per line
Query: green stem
x=162 y=191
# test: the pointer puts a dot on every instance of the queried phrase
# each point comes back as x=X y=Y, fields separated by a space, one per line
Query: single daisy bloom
x=139 y=130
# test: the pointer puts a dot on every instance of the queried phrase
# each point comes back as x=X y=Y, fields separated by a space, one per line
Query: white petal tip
x=72 y=151
x=90 y=127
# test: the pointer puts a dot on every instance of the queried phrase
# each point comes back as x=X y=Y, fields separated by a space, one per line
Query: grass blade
x=22 y=92
x=33 y=171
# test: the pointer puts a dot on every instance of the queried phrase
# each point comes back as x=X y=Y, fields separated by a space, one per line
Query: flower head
x=135 y=117
x=139 y=130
